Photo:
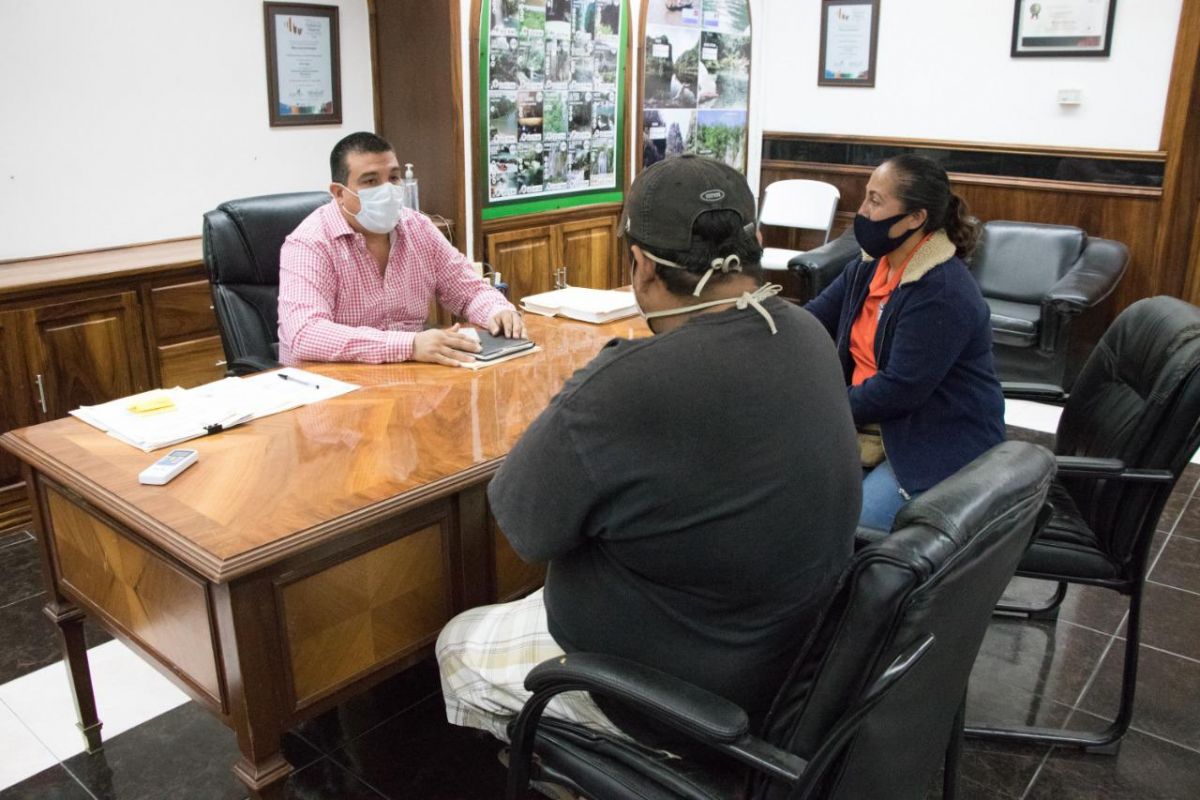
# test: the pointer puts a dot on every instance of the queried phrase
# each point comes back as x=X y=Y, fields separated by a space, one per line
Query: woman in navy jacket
x=914 y=335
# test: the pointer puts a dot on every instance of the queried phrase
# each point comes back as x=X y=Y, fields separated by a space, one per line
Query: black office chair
x=874 y=699
x=1039 y=282
x=242 y=239
x=1130 y=427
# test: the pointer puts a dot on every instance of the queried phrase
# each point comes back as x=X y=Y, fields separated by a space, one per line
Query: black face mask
x=872 y=235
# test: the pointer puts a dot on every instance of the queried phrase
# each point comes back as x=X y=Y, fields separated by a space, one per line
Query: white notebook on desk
x=586 y=305
x=163 y=417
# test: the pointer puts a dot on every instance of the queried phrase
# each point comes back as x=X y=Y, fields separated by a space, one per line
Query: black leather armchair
x=1126 y=434
x=872 y=703
x=1038 y=280
x=819 y=267
x=242 y=239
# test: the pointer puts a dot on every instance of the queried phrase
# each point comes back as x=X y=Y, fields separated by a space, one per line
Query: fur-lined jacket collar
x=938 y=250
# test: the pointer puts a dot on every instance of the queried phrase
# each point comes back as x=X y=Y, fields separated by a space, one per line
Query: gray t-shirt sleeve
x=543 y=495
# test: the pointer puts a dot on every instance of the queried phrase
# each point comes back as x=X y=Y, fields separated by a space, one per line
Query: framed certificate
x=1063 y=27
x=849 y=36
x=303 y=76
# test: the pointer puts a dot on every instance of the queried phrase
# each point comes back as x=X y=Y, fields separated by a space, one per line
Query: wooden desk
x=308 y=555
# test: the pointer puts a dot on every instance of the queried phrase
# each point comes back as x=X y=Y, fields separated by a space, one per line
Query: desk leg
x=69 y=620
x=250 y=649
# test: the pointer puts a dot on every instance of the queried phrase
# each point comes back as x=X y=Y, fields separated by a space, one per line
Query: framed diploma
x=849 y=35
x=1063 y=27
x=303 y=78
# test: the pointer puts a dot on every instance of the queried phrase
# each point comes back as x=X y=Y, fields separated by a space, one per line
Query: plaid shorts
x=484 y=655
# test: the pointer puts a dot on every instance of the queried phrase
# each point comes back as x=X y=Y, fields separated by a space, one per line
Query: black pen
x=297 y=380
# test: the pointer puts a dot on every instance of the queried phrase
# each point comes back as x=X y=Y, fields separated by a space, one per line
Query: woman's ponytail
x=961 y=228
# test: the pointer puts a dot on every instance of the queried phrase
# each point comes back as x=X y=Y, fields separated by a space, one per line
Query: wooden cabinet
x=84 y=352
x=528 y=250
x=88 y=328
x=16 y=410
x=526 y=259
x=589 y=249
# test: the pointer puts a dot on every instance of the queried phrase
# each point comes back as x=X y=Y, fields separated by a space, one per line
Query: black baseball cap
x=667 y=197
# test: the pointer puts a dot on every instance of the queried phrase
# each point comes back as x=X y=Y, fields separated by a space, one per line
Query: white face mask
x=381 y=206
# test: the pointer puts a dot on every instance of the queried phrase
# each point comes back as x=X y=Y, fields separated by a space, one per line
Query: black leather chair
x=242 y=239
x=872 y=703
x=1128 y=430
x=817 y=268
x=1038 y=281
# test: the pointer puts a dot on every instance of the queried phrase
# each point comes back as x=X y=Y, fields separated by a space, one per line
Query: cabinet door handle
x=220 y=363
x=41 y=392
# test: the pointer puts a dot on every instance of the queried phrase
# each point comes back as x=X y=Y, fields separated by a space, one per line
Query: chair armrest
x=1092 y=278
x=864 y=536
x=588 y=671
x=1112 y=468
x=682 y=705
x=1041 y=392
x=247 y=365
x=1088 y=467
x=698 y=713
x=820 y=266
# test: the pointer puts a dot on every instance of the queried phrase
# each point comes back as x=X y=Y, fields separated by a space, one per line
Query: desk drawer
x=191 y=363
x=182 y=311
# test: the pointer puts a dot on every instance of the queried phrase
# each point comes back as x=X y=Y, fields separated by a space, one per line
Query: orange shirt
x=862 y=332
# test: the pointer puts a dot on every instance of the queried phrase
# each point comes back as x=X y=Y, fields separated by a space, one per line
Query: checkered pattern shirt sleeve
x=334 y=305
x=459 y=289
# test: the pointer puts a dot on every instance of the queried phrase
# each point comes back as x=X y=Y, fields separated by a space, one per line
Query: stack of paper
x=165 y=417
x=587 y=305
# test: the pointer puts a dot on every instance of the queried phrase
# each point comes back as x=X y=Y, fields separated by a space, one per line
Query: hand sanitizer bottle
x=410 y=188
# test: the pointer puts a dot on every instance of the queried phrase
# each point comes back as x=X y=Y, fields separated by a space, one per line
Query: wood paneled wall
x=419 y=100
x=1178 y=241
x=1126 y=214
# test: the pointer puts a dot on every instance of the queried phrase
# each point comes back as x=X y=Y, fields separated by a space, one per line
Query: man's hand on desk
x=509 y=322
x=444 y=346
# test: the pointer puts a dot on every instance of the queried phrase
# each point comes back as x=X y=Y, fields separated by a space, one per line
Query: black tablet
x=498 y=346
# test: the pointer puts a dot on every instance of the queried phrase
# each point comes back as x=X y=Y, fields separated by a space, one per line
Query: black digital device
x=499 y=346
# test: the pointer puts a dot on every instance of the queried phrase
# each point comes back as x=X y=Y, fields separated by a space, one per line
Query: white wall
x=944 y=72
x=124 y=121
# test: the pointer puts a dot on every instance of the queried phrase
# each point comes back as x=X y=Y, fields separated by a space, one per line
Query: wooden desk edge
x=204 y=563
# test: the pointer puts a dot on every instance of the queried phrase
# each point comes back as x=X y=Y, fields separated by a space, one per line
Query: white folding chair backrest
x=800 y=204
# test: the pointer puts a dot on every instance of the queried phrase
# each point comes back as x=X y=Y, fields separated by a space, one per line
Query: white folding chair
x=797 y=204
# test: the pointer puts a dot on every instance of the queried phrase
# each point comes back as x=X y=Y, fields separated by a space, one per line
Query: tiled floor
x=394 y=742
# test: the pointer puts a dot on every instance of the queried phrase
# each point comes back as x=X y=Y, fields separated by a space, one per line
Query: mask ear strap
x=726 y=264
x=730 y=263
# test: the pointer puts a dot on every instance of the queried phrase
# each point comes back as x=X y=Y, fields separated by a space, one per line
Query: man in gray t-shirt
x=695 y=493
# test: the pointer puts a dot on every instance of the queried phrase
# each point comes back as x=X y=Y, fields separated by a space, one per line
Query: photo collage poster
x=697 y=80
x=552 y=94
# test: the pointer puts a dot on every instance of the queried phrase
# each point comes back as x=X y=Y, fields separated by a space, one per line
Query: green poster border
x=498 y=210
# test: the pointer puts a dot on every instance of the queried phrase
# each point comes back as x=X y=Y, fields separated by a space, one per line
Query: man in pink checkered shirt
x=356 y=277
